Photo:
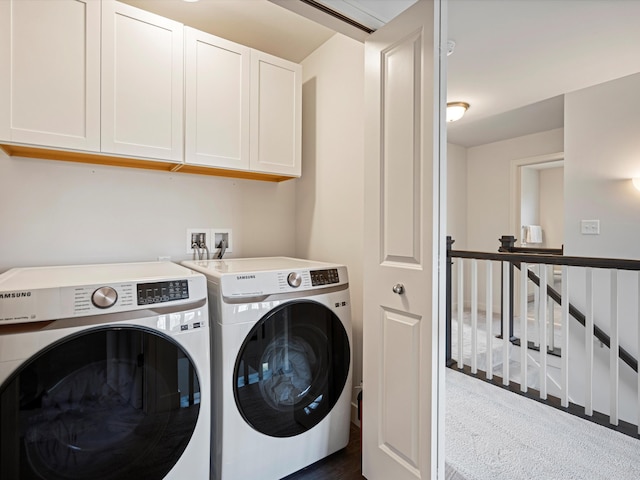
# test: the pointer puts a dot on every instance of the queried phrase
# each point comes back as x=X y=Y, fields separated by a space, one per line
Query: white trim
x=440 y=182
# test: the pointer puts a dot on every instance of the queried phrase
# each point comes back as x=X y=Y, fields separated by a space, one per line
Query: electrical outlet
x=197 y=235
x=218 y=235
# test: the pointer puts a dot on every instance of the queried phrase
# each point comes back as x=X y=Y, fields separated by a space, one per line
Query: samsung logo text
x=245 y=277
x=15 y=295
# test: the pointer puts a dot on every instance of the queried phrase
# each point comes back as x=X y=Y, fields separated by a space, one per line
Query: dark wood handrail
x=547 y=259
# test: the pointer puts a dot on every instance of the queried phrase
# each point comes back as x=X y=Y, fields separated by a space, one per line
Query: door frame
x=515 y=179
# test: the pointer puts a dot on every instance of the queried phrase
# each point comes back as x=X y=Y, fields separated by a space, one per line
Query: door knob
x=398 y=288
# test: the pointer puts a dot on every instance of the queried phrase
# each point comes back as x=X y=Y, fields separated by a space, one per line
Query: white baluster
x=564 y=364
x=588 y=344
x=489 y=310
x=524 y=354
x=474 y=316
x=614 y=365
x=460 y=314
x=505 y=323
x=543 y=332
x=550 y=313
x=536 y=308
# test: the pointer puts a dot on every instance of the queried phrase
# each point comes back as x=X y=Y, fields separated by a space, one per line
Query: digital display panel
x=324 y=277
x=159 y=292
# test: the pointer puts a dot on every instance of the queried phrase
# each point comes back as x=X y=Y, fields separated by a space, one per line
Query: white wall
x=552 y=206
x=542 y=202
x=330 y=194
x=65 y=213
x=457 y=195
x=529 y=198
x=602 y=153
x=488 y=196
x=489 y=207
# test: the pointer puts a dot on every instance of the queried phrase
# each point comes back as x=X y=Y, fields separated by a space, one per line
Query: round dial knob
x=104 y=297
x=294 y=279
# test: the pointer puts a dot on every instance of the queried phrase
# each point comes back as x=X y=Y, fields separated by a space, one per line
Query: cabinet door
x=216 y=101
x=142 y=83
x=276 y=115
x=50 y=75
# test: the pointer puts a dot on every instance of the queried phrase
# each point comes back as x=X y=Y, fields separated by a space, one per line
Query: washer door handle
x=398 y=288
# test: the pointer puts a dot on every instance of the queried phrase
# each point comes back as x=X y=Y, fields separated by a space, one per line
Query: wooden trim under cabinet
x=26 y=151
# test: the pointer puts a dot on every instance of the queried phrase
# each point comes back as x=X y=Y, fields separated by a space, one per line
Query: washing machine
x=281 y=364
x=104 y=373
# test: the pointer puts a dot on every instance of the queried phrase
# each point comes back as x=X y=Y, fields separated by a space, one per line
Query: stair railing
x=510 y=258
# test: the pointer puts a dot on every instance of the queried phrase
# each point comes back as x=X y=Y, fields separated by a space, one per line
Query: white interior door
x=404 y=253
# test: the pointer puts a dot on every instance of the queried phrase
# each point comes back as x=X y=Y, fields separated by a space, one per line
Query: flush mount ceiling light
x=636 y=182
x=190 y=1
x=456 y=110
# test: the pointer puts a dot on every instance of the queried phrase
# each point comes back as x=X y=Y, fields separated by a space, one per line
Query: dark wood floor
x=342 y=465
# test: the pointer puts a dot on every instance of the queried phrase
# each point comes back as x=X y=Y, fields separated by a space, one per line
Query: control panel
x=318 y=277
x=53 y=293
x=159 y=292
x=260 y=283
x=85 y=299
x=324 y=277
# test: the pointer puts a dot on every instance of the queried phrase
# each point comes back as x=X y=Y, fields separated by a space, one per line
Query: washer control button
x=294 y=279
x=104 y=297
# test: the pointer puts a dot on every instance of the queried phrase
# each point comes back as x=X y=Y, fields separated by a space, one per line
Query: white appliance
x=104 y=373
x=281 y=364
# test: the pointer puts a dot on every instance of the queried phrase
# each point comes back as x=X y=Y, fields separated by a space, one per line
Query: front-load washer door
x=106 y=403
x=291 y=369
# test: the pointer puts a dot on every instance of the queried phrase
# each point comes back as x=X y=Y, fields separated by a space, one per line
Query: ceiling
x=513 y=60
x=258 y=24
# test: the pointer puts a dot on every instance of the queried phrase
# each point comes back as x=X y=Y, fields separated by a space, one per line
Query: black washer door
x=108 y=403
x=291 y=369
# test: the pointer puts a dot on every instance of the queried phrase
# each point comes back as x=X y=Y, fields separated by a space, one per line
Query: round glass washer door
x=291 y=369
x=107 y=403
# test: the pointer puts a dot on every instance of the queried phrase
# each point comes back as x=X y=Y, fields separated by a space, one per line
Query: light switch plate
x=590 y=227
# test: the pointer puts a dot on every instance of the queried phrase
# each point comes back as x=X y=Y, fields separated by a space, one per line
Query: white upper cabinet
x=50 y=75
x=216 y=101
x=142 y=83
x=89 y=76
x=276 y=115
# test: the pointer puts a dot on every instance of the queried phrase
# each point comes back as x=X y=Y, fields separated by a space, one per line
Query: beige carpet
x=493 y=434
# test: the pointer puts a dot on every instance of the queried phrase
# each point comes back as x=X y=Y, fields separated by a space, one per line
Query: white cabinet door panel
x=276 y=112
x=51 y=77
x=142 y=83
x=217 y=101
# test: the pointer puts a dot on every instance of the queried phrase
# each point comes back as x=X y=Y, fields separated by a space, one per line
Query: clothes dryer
x=104 y=373
x=281 y=364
